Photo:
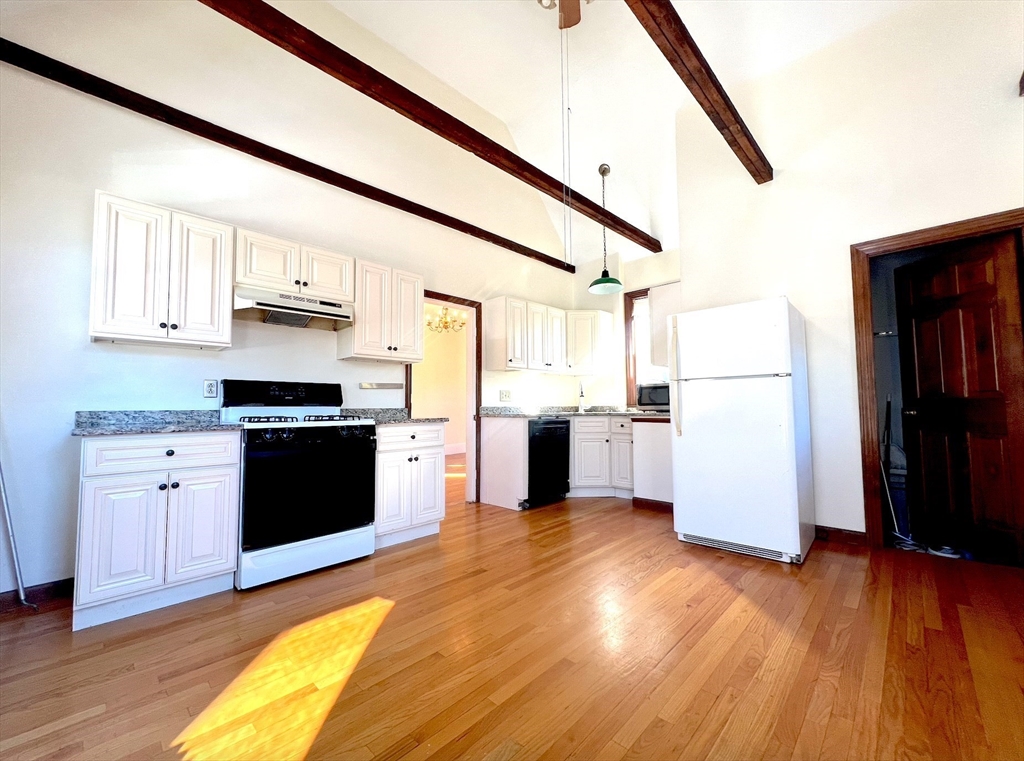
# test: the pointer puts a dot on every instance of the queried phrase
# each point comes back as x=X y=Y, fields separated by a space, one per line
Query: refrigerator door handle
x=673 y=408
x=674 y=346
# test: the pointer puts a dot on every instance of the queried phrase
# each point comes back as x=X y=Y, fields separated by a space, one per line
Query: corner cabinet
x=602 y=456
x=410 y=500
x=159 y=276
x=388 y=321
x=523 y=335
x=153 y=530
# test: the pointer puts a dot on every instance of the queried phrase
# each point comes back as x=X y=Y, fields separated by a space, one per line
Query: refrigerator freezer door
x=734 y=470
x=731 y=341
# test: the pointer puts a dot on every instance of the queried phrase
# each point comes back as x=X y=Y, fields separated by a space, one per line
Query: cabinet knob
x=163 y=324
x=174 y=485
x=607 y=440
x=298 y=282
x=410 y=459
x=173 y=326
x=417 y=459
x=162 y=487
x=413 y=436
x=170 y=453
x=304 y=283
x=389 y=348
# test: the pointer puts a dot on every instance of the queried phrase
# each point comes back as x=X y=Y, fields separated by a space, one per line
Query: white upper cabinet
x=130 y=269
x=554 y=340
x=536 y=336
x=264 y=261
x=407 y=315
x=200 y=287
x=522 y=335
x=587 y=333
x=159 y=276
x=327 y=275
x=388 y=316
x=515 y=338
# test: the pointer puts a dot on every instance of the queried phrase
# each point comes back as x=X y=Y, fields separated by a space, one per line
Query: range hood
x=292 y=309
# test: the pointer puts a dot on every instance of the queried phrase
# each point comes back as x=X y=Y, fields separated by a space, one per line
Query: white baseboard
x=83 y=618
x=455 y=448
x=599 y=491
x=407 y=535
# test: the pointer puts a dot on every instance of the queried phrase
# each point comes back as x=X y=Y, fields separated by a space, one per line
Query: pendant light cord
x=604 y=230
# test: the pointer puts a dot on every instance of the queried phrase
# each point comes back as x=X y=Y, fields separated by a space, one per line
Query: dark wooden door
x=962 y=367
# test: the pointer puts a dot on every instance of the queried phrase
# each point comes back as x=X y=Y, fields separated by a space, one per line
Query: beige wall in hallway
x=439 y=382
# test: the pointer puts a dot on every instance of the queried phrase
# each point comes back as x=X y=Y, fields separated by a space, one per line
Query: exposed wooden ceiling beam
x=44 y=66
x=669 y=33
x=286 y=33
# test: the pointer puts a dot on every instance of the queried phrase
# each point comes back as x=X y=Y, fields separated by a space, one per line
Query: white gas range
x=308 y=473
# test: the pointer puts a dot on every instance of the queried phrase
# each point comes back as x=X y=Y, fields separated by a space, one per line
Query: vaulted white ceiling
x=505 y=56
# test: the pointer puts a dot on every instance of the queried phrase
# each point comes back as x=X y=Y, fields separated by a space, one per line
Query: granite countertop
x=114 y=423
x=595 y=410
x=96 y=423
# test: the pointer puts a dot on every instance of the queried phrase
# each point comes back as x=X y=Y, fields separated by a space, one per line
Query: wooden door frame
x=627 y=317
x=478 y=310
x=861 y=255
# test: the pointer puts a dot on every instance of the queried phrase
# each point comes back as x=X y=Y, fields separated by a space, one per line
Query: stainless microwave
x=653 y=396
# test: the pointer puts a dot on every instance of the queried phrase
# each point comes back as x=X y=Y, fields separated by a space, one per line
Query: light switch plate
x=209 y=389
x=504 y=396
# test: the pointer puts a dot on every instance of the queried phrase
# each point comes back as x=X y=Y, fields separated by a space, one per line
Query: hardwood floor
x=582 y=630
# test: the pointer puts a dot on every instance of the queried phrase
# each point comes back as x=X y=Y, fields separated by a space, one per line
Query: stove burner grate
x=269 y=419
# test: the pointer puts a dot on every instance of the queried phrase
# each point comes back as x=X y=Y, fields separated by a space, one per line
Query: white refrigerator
x=741 y=441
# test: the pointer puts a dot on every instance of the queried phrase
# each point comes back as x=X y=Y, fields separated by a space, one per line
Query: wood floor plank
x=581 y=630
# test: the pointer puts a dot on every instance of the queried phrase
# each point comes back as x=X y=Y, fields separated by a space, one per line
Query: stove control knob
x=269 y=434
x=287 y=433
x=345 y=430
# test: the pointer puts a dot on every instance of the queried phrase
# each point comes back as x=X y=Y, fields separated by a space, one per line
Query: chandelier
x=446 y=322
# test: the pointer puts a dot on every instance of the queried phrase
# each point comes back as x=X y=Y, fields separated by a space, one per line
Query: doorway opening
x=941 y=381
x=447 y=384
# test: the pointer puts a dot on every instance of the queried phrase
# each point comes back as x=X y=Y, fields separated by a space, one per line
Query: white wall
x=910 y=123
x=59 y=146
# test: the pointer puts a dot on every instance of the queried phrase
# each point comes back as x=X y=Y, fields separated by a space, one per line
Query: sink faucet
x=581 y=398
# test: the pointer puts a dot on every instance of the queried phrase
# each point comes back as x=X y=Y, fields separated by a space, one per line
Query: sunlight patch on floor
x=275 y=708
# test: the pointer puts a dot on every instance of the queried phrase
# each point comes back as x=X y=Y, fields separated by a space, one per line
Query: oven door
x=317 y=482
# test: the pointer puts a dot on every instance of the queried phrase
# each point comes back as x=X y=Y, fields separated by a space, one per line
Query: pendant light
x=606 y=284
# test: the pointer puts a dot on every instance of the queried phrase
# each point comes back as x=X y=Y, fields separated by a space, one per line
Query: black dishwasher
x=548 y=462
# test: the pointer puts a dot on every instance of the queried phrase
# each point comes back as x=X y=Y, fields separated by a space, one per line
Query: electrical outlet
x=210 y=389
x=504 y=396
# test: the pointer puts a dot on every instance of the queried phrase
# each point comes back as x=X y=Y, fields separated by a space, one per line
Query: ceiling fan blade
x=568 y=13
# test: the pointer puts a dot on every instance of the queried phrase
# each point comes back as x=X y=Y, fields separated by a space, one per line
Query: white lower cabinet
x=602 y=456
x=410 y=500
x=154 y=538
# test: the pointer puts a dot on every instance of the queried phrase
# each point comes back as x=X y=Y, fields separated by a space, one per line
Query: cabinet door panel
x=121 y=536
x=516 y=327
x=393 y=493
x=266 y=262
x=581 y=342
x=407 y=316
x=622 y=461
x=329 y=275
x=201 y=289
x=131 y=250
x=536 y=336
x=202 y=523
x=428 y=486
x=555 y=341
x=590 y=460
x=373 y=310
